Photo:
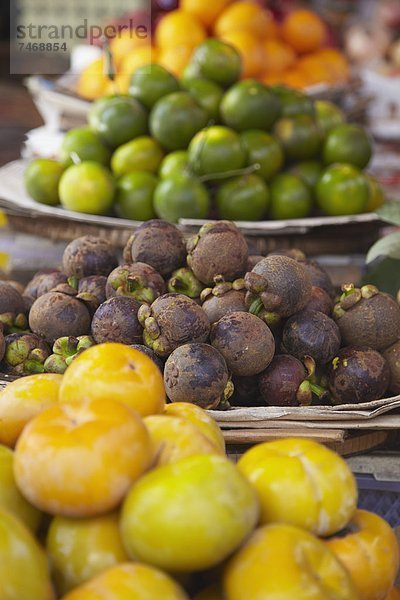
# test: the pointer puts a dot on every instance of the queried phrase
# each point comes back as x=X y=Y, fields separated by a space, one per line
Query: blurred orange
x=144 y=55
x=303 y=30
x=93 y=80
x=336 y=62
x=246 y=16
x=294 y=78
x=315 y=70
x=175 y=59
x=250 y=49
x=206 y=11
x=179 y=28
x=278 y=56
x=123 y=44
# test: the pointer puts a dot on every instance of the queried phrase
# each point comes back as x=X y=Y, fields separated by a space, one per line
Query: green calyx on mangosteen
x=25 y=354
x=277 y=287
x=137 y=280
x=358 y=375
x=219 y=249
x=183 y=281
x=171 y=321
x=245 y=342
x=89 y=255
x=65 y=349
x=116 y=320
x=367 y=317
x=158 y=244
x=197 y=373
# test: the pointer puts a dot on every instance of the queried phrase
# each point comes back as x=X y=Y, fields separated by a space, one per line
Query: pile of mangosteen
x=225 y=328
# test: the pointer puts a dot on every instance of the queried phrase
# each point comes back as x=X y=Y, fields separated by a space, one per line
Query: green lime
x=142 y=154
x=190 y=73
x=207 y=94
x=87 y=188
x=249 y=105
x=290 y=197
x=309 y=171
x=42 y=177
x=348 y=143
x=343 y=190
x=328 y=115
x=152 y=82
x=243 y=198
x=216 y=150
x=118 y=119
x=376 y=196
x=299 y=136
x=217 y=61
x=181 y=196
x=134 y=199
x=293 y=102
x=82 y=144
x=263 y=150
x=174 y=163
x=175 y=119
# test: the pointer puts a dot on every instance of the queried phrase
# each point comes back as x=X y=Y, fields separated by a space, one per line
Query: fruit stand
x=200 y=302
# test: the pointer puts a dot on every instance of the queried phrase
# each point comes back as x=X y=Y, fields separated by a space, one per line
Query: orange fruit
x=246 y=16
x=200 y=418
x=175 y=58
x=315 y=70
x=336 y=62
x=93 y=80
x=124 y=43
x=206 y=12
x=129 y=581
x=138 y=57
x=251 y=50
x=294 y=78
x=278 y=56
x=303 y=30
x=22 y=400
x=179 y=28
x=118 y=372
x=80 y=459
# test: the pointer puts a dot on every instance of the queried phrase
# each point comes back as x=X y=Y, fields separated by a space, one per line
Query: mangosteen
x=65 y=349
x=358 y=375
x=278 y=286
x=25 y=353
x=16 y=285
x=138 y=280
x=2 y=344
x=224 y=298
x=320 y=300
x=11 y=300
x=183 y=281
x=392 y=357
x=60 y=313
x=171 y=321
x=197 y=373
x=246 y=392
x=367 y=317
x=253 y=260
x=294 y=253
x=158 y=244
x=95 y=285
x=116 y=320
x=40 y=279
x=311 y=333
x=150 y=353
x=285 y=382
x=319 y=277
x=245 y=342
x=89 y=255
x=218 y=249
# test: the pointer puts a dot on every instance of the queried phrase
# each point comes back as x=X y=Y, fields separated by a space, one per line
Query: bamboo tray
x=314 y=235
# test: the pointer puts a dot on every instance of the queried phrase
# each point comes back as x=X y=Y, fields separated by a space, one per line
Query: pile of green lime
x=209 y=142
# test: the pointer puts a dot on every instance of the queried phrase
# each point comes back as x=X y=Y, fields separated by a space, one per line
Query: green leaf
x=385 y=274
x=389 y=246
x=390 y=212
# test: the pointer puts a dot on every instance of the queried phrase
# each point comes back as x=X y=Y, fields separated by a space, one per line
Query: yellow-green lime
x=377 y=195
x=290 y=197
x=87 y=188
x=141 y=154
x=217 y=61
x=343 y=189
x=216 y=149
x=118 y=119
x=263 y=151
x=152 y=82
x=42 y=177
x=328 y=115
x=243 y=198
x=250 y=104
x=293 y=102
x=181 y=196
x=207 y=94
x=348 y=143
x=300 y=136
x=309 y=171
x=80 y=144
x=175 y=163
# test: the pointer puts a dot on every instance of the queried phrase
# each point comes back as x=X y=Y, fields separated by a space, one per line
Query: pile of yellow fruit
x=107 y=493
x=292 y=52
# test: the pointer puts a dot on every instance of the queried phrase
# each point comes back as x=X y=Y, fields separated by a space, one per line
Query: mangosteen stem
x=184 y=282
x=318 y=390
x=73 y=282
x=228 y=391
x=136 y=287
x=304 y=393
x=33 y=366
x=256 y=307
x=234 y=173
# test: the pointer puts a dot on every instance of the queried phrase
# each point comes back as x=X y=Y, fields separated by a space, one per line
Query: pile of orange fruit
x=293 y=52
